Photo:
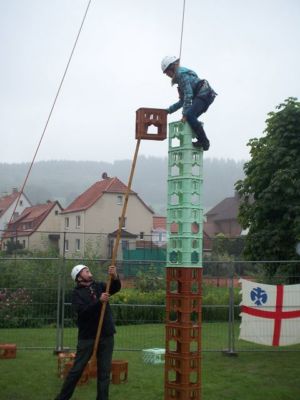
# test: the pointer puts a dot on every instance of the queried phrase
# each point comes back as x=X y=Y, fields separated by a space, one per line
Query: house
x=159 y=230
x=90 y=222
x=37 y=228
x=159 y=233
x=8 y=206
x=223 y=218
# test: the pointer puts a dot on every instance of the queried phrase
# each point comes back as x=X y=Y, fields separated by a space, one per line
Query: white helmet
x=167 y=61
x=75 y=271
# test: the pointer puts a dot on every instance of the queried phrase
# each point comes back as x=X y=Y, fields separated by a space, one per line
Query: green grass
x=249 y=376
x=132 y=337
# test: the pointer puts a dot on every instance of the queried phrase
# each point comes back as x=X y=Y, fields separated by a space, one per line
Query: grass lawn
x=249 y=376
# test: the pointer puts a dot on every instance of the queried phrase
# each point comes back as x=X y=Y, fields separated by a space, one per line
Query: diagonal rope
x=182 y=28
x=51 y=110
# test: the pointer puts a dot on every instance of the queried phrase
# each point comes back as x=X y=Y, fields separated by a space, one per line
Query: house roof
x=30 y=219
x=93 y=193
x=124 y=234
x=7 y=201
x=226 y=209
x=159 y=222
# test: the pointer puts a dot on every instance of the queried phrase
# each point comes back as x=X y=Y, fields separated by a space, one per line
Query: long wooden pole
x=115 y=252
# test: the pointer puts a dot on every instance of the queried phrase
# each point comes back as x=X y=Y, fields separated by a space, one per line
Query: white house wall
x=101 y=219
x=104 y=215
x=72 y=233
x=39 y=240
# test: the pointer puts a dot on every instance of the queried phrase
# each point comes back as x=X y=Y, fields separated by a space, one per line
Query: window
x=56 y=212
x=77 y=245
x=66 y=245
x=141 y=235
x=78 y=221
x=120 y=199
x=21 y=202
x=24 y=244
x=27 y=225
x=124 y=222
x=67 y=222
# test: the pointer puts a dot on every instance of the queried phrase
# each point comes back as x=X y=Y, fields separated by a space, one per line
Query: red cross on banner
x=270 y=313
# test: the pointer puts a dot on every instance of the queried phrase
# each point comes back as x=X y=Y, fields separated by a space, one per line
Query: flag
x=270 y=313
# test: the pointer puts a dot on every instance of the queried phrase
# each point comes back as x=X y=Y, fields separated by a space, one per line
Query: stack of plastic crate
x=184 y=266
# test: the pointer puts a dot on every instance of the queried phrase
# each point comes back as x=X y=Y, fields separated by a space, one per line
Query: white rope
x=51 y=110
x=182 y=27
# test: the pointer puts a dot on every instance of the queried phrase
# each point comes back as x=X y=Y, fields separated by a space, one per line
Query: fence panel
x=35 y=308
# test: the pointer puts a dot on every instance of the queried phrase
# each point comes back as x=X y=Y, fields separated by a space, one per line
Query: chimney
x=105 y=176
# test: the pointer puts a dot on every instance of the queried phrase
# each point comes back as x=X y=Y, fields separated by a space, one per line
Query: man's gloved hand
x=104 y=298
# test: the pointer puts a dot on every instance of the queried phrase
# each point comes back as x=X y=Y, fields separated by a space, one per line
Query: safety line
x=51 y=110
x=182 y=28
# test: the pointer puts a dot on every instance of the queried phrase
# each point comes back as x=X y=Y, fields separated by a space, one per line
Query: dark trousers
x=83 y=354
x=199 y=106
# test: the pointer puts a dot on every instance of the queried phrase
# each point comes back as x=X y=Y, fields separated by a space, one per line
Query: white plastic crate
x=154 y=356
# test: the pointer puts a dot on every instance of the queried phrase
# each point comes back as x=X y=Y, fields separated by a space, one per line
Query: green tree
x=270 y=192
x=13 y=246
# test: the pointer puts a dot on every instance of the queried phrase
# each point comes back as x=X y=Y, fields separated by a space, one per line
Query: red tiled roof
x=33 y=216
x=93 y=193
x=159 y=222
x=7 y=201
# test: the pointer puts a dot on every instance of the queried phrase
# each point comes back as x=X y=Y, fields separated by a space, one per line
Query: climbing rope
x=182 y=28
x=51 y=110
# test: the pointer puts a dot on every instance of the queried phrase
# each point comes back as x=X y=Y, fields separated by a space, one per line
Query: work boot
x=205 y=144
x=202 y=143
x=197 y=144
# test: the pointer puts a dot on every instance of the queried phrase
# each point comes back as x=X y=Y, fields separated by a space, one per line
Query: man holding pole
x=89 y=297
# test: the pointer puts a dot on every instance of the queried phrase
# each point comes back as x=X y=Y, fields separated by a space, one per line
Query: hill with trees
x=64 y=180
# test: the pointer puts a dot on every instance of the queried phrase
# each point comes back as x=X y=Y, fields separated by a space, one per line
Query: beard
x=86 y=281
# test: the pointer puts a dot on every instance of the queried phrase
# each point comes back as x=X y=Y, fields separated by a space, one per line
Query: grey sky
x=247 y=49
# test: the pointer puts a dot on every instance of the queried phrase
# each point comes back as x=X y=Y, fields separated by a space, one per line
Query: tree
x=270 y=192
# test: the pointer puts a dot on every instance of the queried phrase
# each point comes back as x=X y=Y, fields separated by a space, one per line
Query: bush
x=29 y=290
x=14 y=303
x=149 y=281
x=131 y=306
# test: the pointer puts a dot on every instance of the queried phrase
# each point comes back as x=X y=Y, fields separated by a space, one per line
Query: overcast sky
x=247 y=49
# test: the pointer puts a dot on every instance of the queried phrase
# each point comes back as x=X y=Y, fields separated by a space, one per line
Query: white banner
x=270 y=313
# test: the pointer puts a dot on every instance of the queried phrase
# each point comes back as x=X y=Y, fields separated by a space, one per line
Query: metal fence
x=35 y=304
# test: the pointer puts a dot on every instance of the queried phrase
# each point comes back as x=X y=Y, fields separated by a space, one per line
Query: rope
x=182 y=27
x=114 y=254
x=51 y=110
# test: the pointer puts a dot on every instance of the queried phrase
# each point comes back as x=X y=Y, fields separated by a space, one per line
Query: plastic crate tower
x=184 y=266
